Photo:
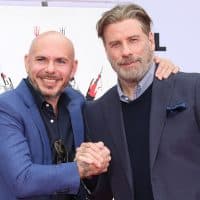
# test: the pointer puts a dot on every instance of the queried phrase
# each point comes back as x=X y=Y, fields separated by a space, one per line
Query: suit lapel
x=77 y=123
x=36 y=119
x=75 y=110
x=161 y=95
x=118 y=136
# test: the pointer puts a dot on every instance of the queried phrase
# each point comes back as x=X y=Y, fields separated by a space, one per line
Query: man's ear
x=26 y=62
x=152 y=41
x=74 y=69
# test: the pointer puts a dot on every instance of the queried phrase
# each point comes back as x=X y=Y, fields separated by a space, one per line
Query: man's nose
x=50 y=66
x=126 y=50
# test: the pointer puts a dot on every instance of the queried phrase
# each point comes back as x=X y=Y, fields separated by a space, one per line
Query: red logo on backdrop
x=94 y=87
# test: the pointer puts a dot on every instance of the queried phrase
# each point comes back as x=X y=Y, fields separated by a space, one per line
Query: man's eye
x=40 y=59
x=133 y=40
x=61 y=61
x=115 y=45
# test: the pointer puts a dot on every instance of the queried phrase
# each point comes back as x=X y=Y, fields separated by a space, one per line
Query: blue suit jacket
x=174 y=140
x=26 y=169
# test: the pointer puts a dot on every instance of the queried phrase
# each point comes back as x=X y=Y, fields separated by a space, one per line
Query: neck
x=128 y=88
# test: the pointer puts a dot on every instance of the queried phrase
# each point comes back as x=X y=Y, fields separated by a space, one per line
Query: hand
x=165 y=68
x=92 y=159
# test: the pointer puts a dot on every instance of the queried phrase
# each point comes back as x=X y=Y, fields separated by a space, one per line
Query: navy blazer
x=174 y=140
x=26 y=169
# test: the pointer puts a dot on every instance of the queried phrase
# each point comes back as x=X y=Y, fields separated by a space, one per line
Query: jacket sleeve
x=23 y=177
x=99 y=185
x=102 y=190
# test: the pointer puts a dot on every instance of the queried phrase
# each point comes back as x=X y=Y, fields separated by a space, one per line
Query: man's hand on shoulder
x=165 y=68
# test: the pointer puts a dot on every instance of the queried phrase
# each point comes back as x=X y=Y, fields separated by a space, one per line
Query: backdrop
x=176 y=27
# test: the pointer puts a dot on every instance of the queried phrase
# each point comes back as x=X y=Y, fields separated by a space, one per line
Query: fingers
x=176 y=70
x=165 y=68
x=156 y=59
x=92 y=158
x=93 y=153
x=87 y=170
x=164 y=72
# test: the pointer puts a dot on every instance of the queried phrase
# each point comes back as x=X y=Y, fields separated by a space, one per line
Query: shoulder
x=111 y=93
x=9 y=97
x=181 y=79
x=187 y=76
x=11 y=106
x=184 y=85
x=102 y=101
x=21 y=95
x=74 y=95
x=186 y=80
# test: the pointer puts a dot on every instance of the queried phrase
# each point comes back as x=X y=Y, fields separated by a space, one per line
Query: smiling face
x=50 y=64
x=129 y=49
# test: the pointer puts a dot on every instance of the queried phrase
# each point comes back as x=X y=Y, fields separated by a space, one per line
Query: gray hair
x=122 y=12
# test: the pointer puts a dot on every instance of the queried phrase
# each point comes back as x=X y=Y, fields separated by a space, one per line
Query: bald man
x=41 y=125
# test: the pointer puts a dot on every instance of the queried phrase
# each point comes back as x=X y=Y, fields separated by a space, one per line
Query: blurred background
x=175 y=23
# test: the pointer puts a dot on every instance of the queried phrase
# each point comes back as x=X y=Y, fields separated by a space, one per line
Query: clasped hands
x=92 y=159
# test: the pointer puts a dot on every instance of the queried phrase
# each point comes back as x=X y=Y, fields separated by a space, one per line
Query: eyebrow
x=118 y=40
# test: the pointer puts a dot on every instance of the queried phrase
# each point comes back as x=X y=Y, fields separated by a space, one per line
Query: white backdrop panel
x=175 y=21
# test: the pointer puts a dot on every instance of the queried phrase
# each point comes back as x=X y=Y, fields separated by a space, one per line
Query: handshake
x=92 y=159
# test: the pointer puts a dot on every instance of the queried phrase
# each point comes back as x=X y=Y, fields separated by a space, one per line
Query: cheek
x=143 y=50
x=35 y=69
x=37 y=74
x=65 y=74
x=113 y=55
x=148 y=49
x=31 y=72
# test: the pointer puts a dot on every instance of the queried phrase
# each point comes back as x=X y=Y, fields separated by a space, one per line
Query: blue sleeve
x=23 y=177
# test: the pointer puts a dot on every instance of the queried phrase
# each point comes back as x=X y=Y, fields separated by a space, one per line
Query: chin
x=51 y=95
x=47 y=92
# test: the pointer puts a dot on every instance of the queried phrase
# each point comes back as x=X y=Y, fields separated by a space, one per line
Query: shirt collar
x=140 y=87
x=39 y=99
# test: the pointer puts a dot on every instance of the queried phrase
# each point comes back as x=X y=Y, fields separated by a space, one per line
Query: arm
x=24 y=177
x=93 y=159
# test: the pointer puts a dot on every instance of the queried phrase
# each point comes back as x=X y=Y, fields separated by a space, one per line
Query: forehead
x=52 y=45
x=122 y=28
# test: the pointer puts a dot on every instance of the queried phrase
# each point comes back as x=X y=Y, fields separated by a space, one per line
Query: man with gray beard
x=142 y=120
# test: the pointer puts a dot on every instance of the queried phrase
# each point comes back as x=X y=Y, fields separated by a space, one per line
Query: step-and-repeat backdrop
x=176 y=27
